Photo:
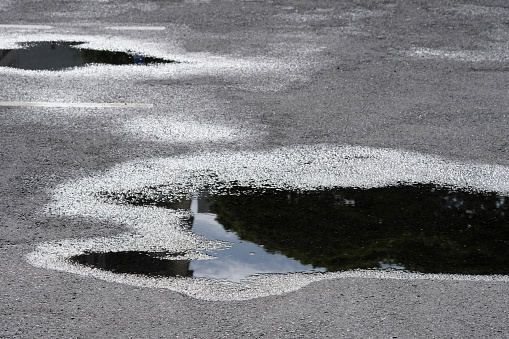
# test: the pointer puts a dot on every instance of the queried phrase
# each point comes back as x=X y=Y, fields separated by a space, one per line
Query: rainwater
x=60 y=55
x=420 y=228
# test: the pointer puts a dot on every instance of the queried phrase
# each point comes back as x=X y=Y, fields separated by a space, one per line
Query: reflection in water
x=234 y=263
x=46 y=55
x=146 y=263
x=418 y=228
x=243 y=258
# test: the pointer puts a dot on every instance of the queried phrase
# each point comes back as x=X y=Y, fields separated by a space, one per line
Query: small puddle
x=421 y=228
x=161 y=264
x=59 y=55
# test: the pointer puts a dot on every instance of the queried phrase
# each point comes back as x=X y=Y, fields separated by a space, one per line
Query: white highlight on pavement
x=499 y=55
x=303 y=167
x=74 y=104
x=169 y=129
x=137 y=28
x=266 y=74
x=26 y=26
x=118 y=28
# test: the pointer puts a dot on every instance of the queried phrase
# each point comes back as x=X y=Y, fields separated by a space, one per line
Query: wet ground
x=61 y=55
x=265 y=93
x=418 y=228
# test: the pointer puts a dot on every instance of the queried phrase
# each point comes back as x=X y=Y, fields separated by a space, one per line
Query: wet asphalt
x=405 y=75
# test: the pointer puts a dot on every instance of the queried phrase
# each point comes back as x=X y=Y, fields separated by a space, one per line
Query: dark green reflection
x=58 y=55
x=422 y=228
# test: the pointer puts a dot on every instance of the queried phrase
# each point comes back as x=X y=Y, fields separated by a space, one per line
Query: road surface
x=428 y=78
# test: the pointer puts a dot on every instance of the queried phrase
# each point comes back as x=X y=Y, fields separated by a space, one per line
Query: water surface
x=422 y=228
x=59 y=55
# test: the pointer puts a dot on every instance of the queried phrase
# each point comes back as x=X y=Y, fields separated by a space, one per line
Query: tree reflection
x=160 y=264
x=93 y=56
x=422 y=228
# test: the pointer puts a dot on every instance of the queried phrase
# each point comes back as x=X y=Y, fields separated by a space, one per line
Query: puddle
x=59 y=55
x=161 y=264
x=238 y=261
x=419 y=228
x=314 y=218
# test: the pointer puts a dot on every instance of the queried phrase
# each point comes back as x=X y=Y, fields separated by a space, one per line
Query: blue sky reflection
x=242 y=259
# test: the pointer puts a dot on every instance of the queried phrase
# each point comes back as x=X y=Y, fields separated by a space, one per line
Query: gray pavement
x=427 y=77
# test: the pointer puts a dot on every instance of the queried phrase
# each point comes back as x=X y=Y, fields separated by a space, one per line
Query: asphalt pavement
x=294 y=93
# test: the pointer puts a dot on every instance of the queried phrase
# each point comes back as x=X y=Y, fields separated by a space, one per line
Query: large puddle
x=60 y=55
x=421 y=228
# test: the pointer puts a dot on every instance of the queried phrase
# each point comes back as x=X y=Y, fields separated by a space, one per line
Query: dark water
x=58 y=55
x=418 y=228
x=145 y=263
